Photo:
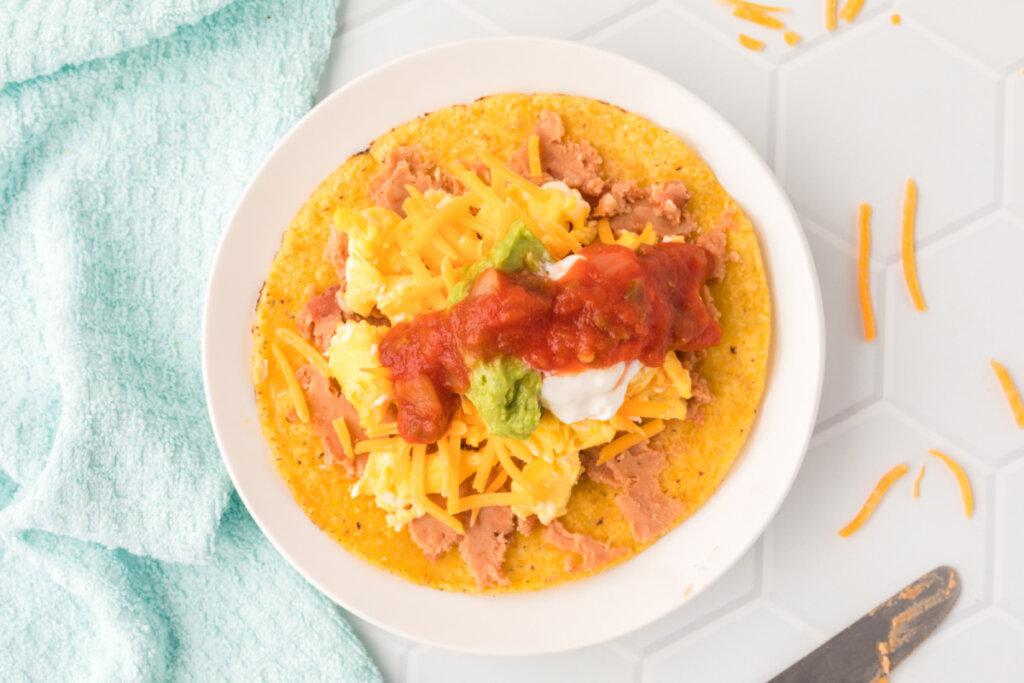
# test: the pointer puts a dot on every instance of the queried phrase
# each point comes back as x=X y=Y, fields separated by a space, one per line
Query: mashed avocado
x=507 y=393
x=518 y=250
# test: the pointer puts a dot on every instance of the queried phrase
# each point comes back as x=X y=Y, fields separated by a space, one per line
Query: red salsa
x=612 y=305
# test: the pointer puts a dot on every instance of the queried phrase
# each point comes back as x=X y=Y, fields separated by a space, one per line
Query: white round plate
x=656 y=581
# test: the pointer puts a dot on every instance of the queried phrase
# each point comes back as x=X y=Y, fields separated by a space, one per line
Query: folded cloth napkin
x=127 y=131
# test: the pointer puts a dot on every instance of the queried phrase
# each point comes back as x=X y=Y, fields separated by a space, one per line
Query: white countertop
x=843 y=118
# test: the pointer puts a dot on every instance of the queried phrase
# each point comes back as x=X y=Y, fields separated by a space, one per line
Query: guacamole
x=506 y=391
x=518 y=250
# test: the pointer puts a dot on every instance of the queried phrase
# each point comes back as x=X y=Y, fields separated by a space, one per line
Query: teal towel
x=127 y=131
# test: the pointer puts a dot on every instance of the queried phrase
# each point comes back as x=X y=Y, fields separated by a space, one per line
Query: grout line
x=773 y=105
x=883 y=334
x=955 y=51
x=1011 y=100
x=991 y=505
x=715 y=32
x=1001 y=171
x=600 y=25
x=809 y=224
x=466 y=10
x=383 y=8
x=826 y=432
x=681 y=634
x=951 y=231
x=962 y=453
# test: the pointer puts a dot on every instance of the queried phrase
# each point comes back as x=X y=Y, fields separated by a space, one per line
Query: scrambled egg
x=400 y=277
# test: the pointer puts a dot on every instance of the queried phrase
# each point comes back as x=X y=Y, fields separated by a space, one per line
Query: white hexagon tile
x=844 y=117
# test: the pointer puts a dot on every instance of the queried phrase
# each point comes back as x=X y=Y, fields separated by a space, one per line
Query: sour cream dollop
x=558 y=269
x=595 y=394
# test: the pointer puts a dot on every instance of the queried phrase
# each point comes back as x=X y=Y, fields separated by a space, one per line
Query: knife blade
x=867 y=650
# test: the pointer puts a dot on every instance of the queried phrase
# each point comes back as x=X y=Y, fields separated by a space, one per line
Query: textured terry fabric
x=127 y=131
x=99 y=615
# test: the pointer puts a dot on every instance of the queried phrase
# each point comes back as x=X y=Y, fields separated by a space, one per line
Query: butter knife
x=870 y=647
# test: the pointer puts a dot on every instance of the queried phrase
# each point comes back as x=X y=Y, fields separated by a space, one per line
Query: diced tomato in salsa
x=612 y=305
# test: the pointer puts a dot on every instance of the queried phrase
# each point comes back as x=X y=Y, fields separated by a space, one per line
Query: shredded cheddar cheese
x=510 y=468
x=382 y=429
x=303 y=347
x=909 y=259
x=534 y=149
x=863 y=273
x=419 y=492
x=754 y=6
x=966 y=494
x=917 y=482
x=850 y=10
x=1011 y=392
x=830 y=15
x=872 y=502
x=341 y=427
x=757 y=16
x=751 y=43
x=791 y=37
x=402 y=266
x=627 y=441
x=298 y=398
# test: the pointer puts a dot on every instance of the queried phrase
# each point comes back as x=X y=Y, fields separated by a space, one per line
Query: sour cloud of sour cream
x=592 y=394
x=589 y=395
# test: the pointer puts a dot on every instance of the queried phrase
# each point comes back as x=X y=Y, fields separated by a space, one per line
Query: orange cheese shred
x=917 y=482
x=294 y=390
x=909 y=259
x=792 y=37
x=341 y=428
x=1011 y=392
x=850 y=10
x=751 y=43
x=830 y=15
x=533 y=145
x=419 y=474
x=872 y=502
x=863 y=272
x=753 y=5
x=961 y=478
x=756 y=16
x=292 y=339
x=621 y=444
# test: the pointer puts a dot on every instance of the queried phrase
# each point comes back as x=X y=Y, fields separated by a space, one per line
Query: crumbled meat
x=526 y=525
x=432 y=536
x=320 y=317
x=336 y=253
x=577 y=164
x=326 y=404
x=700 y=396
x=593 y=553
x=709 y=303
x=406 y=166
x=643 y=504
x=629 y=208
x=485 y=543
x=714 y=242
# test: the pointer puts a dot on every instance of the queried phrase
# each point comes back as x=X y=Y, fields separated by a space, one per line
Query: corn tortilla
x=699 y=453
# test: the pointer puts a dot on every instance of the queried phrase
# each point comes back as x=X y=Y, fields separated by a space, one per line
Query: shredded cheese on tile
x=966 y=494
x=907 y=241
x=1012 y=395
x=751 y=43
x=872 y=502
x=863 y=272
x=850 y=10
